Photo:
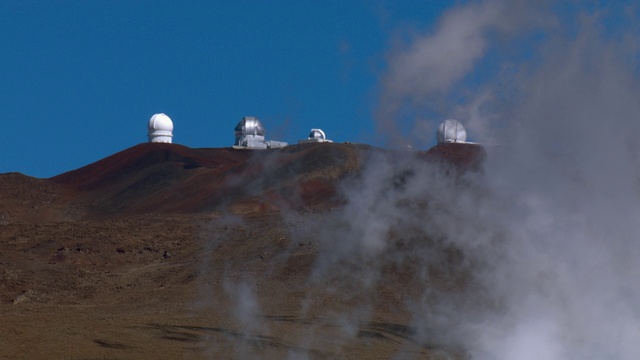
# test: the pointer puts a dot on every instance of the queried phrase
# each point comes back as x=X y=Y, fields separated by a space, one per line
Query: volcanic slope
x=163 y=251
x=169 y=178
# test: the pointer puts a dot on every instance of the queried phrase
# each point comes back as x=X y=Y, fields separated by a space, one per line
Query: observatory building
x=451 y=131
x=315 y=136
x=250 y=135
x=160 y=129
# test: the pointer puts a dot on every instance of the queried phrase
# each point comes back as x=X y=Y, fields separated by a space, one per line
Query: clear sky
x=80 y=79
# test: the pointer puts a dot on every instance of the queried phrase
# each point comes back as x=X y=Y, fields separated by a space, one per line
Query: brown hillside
x=169 y=178
x=163 y=251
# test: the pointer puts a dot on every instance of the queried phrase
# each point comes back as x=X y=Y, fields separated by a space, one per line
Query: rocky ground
x=95 y=265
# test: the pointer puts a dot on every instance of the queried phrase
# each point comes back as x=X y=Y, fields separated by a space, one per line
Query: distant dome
x=317 y=134
x=250 y=134
x=451 y=131
x=160 y=128
x=249 y=125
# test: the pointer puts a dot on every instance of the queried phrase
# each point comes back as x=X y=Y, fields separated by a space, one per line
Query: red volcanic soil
x=170 y=178
x=164 y=251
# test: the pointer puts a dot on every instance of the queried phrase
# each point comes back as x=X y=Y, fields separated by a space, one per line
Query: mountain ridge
x=172 y=178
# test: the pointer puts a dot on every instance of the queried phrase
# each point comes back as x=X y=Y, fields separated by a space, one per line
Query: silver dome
x=451 y=131
x=249 y=125
x=317 y=134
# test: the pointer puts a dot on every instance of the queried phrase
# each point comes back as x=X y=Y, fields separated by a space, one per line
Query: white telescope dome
x=160 y=128
x=317 y=134
x=451 y=131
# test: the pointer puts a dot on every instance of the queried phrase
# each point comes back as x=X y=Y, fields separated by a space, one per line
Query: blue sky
x=80 y=79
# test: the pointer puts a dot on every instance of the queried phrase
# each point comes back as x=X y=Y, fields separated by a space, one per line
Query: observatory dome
x=160 y=128
x=317 y=134
x=249 y=125
x=451 y=131
x=250 y=133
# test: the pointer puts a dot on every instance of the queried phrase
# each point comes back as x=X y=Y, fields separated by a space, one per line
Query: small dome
x=451 y=131
x=317 y=134
x=249 y=125
x=160 y=128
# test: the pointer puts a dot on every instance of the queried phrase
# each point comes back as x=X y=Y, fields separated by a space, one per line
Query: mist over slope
x=246 y=253
x=555 y=86
x=532 y=255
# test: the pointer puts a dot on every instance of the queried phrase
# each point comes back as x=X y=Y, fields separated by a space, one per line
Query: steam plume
x=554 y=242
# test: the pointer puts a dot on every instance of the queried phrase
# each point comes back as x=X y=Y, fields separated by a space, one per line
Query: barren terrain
x=163 y=251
